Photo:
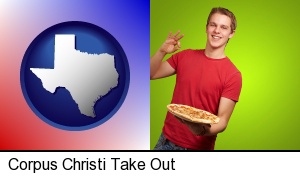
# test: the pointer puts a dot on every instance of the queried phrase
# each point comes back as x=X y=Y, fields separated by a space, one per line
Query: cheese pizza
x=192 y=114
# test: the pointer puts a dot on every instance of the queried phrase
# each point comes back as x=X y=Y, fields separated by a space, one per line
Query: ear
x=232 y=34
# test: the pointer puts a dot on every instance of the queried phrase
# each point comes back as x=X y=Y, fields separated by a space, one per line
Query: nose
x=217 y=30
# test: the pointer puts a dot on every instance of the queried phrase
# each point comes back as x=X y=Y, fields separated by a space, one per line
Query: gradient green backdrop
x=265 y=48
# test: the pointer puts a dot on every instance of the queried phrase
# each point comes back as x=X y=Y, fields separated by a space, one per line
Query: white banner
x=135 y=163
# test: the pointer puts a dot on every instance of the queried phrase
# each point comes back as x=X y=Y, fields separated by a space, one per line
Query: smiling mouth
x=216 y=37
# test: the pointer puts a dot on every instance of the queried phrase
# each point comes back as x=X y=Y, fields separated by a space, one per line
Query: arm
x=159 y=69
x=225 y=110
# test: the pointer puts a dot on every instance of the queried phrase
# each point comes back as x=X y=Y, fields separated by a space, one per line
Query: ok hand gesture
x=172 y=43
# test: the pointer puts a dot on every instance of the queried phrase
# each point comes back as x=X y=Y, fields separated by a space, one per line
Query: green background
x=265 y=49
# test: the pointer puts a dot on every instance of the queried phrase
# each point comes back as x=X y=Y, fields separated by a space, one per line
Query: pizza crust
x=192 y=114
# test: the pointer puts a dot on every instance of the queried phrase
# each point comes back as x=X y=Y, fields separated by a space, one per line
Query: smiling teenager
x=205 y=79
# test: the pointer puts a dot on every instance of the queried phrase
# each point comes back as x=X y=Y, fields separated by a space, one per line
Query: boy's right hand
x=172 y=43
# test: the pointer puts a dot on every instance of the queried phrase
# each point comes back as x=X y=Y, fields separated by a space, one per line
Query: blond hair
x=226 y=12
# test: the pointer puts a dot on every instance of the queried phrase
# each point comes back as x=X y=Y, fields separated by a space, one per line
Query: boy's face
x=218 y=30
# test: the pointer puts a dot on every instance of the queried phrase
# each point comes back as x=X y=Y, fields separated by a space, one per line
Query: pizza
x=192 y=114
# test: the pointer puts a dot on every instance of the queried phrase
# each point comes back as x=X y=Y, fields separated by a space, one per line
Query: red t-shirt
x=200 y=82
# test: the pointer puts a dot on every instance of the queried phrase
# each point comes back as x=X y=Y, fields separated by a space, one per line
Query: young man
x=205 y=79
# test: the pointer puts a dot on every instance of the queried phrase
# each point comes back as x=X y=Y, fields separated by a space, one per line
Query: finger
x=180 y=37
x=175 y=35
x=205 y=124
x=180 y=119
x=190 y=124
x=178 y=45
x=171 y=41
x=170 y=35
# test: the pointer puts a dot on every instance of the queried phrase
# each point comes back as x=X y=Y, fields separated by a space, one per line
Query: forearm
x=205 y=129
x=225 y=110
x=214 y=129
x=209 y=129
x=155 y=62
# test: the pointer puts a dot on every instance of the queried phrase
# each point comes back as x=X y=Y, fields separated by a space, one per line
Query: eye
x=224 y=27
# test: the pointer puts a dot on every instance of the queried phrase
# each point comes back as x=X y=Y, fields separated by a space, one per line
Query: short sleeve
x=232 y=87
x=174 y=59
